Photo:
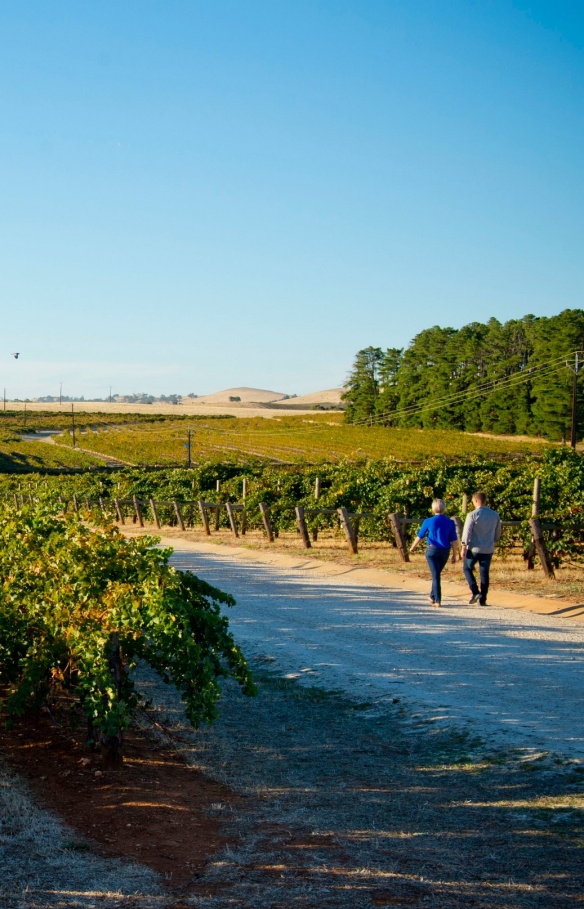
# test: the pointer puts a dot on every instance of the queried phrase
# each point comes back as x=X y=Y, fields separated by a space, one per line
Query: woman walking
x=441 y=533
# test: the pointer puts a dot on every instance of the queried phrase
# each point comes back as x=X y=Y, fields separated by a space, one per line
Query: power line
x=575 y=369
x=475 y=392
x=470 y=393
x=490 y=385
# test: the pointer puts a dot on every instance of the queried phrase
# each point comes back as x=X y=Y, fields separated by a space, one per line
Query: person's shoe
x=474 y=599
x=482 y=602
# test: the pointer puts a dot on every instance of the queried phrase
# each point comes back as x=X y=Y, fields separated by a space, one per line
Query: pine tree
x=504 y=378
x=424 y=376
x=362 y=394
x=556 y=339
x=388 y=400
x=506 y=409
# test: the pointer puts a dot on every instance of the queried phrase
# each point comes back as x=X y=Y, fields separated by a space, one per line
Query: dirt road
x=512 y=676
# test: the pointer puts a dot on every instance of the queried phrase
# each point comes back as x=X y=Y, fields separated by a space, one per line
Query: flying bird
x=16 y=355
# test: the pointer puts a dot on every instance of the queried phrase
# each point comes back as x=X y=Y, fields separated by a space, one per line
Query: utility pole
x=73 y=423
x=575 y=369
x=110 y=394
x=60 y=393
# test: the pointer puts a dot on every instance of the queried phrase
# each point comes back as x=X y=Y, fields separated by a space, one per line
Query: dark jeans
x=484 y=560
x=437 y=559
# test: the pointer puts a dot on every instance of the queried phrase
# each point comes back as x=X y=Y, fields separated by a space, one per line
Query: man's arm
x=467 y=529
x=498 y=529
x=466 y=534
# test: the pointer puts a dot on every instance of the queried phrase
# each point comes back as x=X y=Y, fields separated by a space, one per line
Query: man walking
x=482 y=529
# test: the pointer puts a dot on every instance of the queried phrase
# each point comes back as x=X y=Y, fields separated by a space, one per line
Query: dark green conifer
x=362 y=394
x=506 y=378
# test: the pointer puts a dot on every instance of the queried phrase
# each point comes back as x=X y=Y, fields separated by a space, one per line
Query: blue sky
x=196 y=195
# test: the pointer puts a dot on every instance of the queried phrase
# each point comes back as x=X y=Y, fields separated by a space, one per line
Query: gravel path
x=513 y=676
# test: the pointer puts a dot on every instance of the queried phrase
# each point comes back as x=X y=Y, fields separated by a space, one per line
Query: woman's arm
x=421 y=534
x=416 y=543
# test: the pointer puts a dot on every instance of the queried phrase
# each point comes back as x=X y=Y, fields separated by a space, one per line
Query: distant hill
x=245 y=395
x=331 y=396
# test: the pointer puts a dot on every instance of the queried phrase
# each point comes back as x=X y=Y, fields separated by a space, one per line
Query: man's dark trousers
x=484 y=561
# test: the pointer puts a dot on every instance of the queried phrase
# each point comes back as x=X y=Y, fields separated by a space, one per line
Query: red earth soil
x=161 y=816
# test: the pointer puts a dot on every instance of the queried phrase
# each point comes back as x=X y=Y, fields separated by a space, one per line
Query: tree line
x=508 y=378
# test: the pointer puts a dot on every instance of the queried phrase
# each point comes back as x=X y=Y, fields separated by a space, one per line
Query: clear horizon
x=199 y=196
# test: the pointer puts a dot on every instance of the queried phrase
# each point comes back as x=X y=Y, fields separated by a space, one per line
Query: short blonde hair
x=438 y=506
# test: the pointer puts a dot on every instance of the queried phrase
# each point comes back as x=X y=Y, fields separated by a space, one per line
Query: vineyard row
x=374 y=490
x=189 y=513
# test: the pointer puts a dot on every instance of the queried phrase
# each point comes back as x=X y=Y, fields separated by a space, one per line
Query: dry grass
x=344 y=804
x=44 y=864
x=359 y=805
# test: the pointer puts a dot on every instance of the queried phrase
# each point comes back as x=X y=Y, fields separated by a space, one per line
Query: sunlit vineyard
x=67 y=643
x=16 y=454
x=378 y=488
x=285 y=440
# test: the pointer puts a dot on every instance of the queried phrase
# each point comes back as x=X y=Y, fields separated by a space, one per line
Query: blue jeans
x=484 y=560
x=437 y=559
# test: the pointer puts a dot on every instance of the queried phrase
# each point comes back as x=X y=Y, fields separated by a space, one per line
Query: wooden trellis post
x=541 y=548
x=316 y=498
x=155 y=513
x=179 y=516
x=119 y=511
x=536 y=495
x=232 y=519
x=138 y=511
x=399 y=537
x=265 y=513
x=459 y=529
x=301 y=521
x=205 y=517
x=349 y=530
x=531 y=549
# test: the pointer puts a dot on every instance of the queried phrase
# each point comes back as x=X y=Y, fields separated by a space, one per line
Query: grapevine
x=80 y=606
x=379 y=487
